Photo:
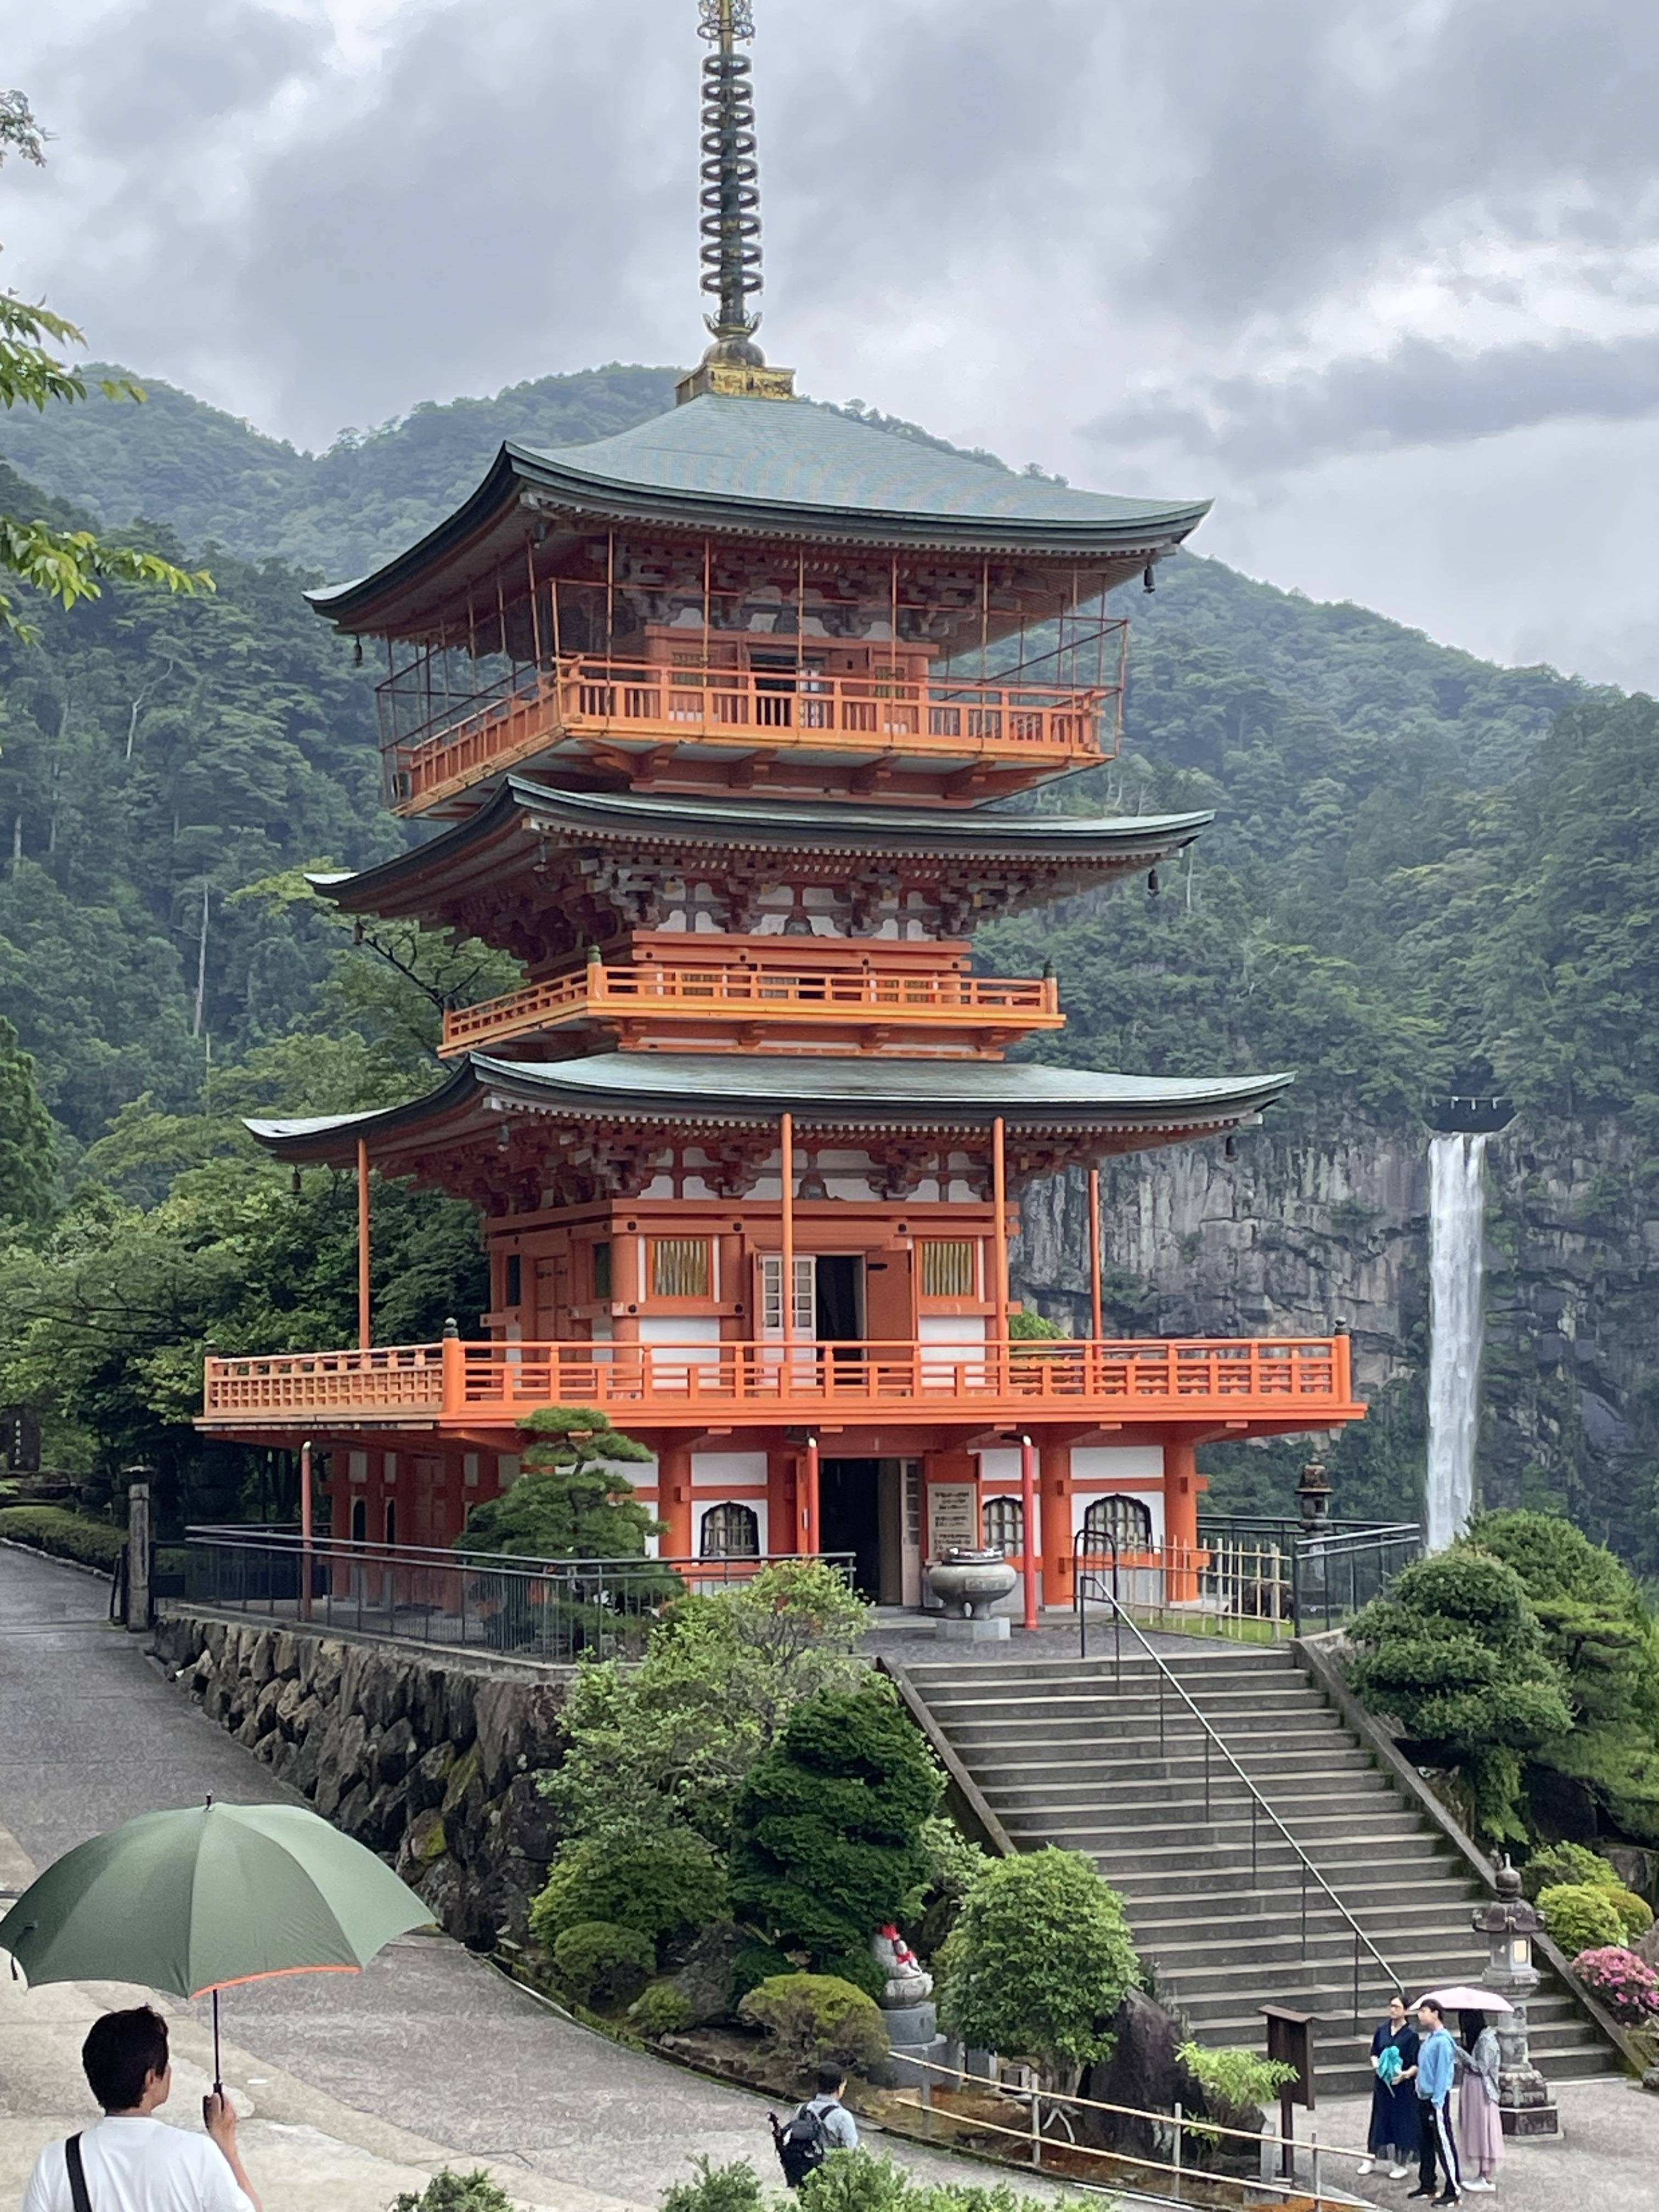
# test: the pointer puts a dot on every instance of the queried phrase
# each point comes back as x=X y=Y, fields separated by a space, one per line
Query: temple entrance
x=839 y=1300
x=860 y=1510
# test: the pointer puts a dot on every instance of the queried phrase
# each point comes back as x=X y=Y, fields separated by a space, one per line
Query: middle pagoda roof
x=531 y=846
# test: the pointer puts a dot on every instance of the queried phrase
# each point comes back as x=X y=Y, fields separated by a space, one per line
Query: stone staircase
x=1069 y=1751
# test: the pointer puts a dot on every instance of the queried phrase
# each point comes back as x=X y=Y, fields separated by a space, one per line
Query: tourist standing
x=1480 y=2124
x=1436 y=2063
x=1393 y=2138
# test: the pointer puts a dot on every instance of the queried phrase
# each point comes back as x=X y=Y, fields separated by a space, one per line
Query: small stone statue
x=908 y=1981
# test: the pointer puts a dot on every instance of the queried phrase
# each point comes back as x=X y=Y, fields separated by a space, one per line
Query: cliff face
x=1325 y=1222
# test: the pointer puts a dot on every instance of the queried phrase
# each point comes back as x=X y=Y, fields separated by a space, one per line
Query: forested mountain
x=1426 y=872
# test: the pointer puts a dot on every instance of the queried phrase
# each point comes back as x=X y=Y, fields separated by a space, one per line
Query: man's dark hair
x=832 y=2080
x=1429 y=2005
x=120 y=2053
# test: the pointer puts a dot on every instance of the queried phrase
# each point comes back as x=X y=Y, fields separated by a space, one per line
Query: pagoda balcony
x=823 y=1008
x=1284 y=1383
x=645 y=723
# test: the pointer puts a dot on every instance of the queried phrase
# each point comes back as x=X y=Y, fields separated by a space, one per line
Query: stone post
x=1509 y=1924
x=138 y=1604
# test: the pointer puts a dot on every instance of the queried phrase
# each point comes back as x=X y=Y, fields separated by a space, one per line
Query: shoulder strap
x=77 y=2175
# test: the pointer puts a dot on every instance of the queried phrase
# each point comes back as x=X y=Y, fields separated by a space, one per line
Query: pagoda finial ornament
x=734 y=364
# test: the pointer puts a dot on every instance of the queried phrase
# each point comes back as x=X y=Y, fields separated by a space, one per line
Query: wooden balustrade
x=655 y=990
x=1270 y=1379
x=945 y=722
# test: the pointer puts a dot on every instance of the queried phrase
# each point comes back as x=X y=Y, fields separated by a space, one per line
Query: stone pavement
x=430 y=2058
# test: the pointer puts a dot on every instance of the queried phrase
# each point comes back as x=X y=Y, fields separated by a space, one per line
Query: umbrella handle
x=218 y=2084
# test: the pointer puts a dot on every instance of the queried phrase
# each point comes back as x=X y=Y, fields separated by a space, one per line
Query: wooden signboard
x=953 y=1518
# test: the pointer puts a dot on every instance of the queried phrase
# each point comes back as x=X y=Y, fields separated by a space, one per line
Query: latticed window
x=1120 y=1523
x=730 y=1532
x=1005 y=1525
x=947 y=1267
x=679 y=1268
x=601 y=1264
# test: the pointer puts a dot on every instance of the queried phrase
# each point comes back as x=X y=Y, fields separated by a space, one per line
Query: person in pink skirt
x=1479 y=2125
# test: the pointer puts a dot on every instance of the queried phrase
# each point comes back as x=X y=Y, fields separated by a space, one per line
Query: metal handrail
x=1166 y=1673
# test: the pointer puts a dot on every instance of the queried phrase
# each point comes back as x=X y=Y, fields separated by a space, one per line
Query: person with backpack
x=822 y=2125
x=132 y=2161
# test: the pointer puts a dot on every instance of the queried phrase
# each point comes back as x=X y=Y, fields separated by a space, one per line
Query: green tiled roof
x=805 y=471
x=715 y=1088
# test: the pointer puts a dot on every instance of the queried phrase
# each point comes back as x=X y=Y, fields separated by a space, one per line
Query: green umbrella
x=193 y=1901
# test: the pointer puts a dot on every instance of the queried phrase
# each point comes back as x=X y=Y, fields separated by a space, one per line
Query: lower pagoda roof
x=528 y=834
x=458 y=1134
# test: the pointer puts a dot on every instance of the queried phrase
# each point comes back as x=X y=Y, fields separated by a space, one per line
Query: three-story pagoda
x=715 y=714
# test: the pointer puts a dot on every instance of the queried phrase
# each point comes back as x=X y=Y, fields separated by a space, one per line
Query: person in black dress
x=1393 y=2138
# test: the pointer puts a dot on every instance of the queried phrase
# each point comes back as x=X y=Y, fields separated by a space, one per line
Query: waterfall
x=1457 y=1205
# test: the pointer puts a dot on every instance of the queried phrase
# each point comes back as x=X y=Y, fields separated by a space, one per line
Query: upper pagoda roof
x=768 y=468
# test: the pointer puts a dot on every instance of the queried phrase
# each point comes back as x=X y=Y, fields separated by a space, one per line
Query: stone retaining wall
x=432 y=1763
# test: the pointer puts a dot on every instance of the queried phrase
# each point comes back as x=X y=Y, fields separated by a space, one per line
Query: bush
x=1552 y=1865
x=817 y=2020
x=64 y=1534
x=1580 y=1916
x=829 y=1826
x=660 y=1888
x=1635 y=1911
x=1235 y=2083
x=757 y=1963
x=857 y=2181
x=734 y=2188
x=455 y=2192
x=663 y=2010
x=1039 y=1962
x=1626 y=1984
x=603 y=1965
x=1455 y=1654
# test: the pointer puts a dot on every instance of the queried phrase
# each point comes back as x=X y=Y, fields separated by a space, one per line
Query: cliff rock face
x=1315 y=1224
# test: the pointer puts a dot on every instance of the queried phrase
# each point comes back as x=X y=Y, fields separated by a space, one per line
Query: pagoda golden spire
x=733 y=364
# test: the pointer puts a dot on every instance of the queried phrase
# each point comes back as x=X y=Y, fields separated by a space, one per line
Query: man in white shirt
x=131 y=2161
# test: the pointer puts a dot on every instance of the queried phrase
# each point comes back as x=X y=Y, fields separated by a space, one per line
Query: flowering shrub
x=1625 y=1985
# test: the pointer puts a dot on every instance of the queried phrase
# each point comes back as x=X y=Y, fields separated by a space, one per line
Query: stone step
x=1131 y=1764
x=1116 y=1829
x=1272 y=1700
x=1354 y=1794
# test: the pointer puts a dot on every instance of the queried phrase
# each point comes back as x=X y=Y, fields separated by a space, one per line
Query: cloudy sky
x=1382 y=275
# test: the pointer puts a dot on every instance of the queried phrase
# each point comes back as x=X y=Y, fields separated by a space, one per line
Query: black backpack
x=802 y=2146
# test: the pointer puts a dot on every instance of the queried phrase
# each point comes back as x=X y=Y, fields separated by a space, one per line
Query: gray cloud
x=1419 y=394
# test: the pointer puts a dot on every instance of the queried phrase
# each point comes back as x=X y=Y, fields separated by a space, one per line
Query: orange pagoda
x=714 y=720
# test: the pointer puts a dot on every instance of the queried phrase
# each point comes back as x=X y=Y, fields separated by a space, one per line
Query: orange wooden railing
x=944 y=720
x=1192 y=1379
x=824 y=996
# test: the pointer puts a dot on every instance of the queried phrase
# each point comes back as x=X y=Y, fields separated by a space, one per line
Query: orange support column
x=809 y=1498
x=1054 y=1466
x=1094 y=1255
x=1180 y=1521
x=1031 y=1526
x=362 y=1245
x=1000 y=1257
x=674 y=1499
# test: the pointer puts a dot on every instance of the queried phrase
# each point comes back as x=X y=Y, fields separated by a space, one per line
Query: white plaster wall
x=728 y=1470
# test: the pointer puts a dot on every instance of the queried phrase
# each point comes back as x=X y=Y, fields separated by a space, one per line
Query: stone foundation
x=430 y=1762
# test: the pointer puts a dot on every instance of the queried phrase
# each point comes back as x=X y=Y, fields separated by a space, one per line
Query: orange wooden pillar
x=811 y=1541
x=362 y=1245
x=1095 y=1322
x=1180 y=1521
x=999 y=1258
x=1031 y=1526
x=1054 y=1468
x=674 y=1499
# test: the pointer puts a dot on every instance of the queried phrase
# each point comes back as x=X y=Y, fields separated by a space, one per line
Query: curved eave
x=690 y=1091
x=554 y=486
x=521 y=809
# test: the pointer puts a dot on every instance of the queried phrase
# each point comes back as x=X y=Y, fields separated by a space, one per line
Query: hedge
x=64 y=1534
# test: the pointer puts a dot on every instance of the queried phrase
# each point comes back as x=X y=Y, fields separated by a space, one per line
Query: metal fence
x=1253 y=1580
x=546 y=1610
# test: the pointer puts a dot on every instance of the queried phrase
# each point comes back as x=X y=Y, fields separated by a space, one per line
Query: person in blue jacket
x=1393 y=2138
x=1437 y=2064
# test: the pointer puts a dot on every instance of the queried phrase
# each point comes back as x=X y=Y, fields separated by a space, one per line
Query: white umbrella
x=1459 y=1998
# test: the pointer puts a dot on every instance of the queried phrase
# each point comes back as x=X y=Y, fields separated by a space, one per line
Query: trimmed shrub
x=1635 y=1911
x=828 y=1827
x=817 y=2019
x=1552 y=1865
x=64 y=1534
x=734 y=2188
x=663 y=2010
x=1039 y=1962
x=1626 y=1984
x=1580 y=1916
x=603 y=1964
x=448 y=2191
x=757 y=1963
x=857 y=2181
x=660 y=1888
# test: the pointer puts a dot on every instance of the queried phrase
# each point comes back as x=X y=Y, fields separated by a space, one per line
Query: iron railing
x=1253 y=1579
x=1169 y=1685
x=533 y=1609
x=1329 y=1569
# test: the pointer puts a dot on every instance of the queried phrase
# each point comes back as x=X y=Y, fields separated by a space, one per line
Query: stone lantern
x=1509 y=1924
x=1313 y=1493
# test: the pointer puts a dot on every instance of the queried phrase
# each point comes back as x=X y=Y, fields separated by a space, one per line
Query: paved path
x=445 y=2054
